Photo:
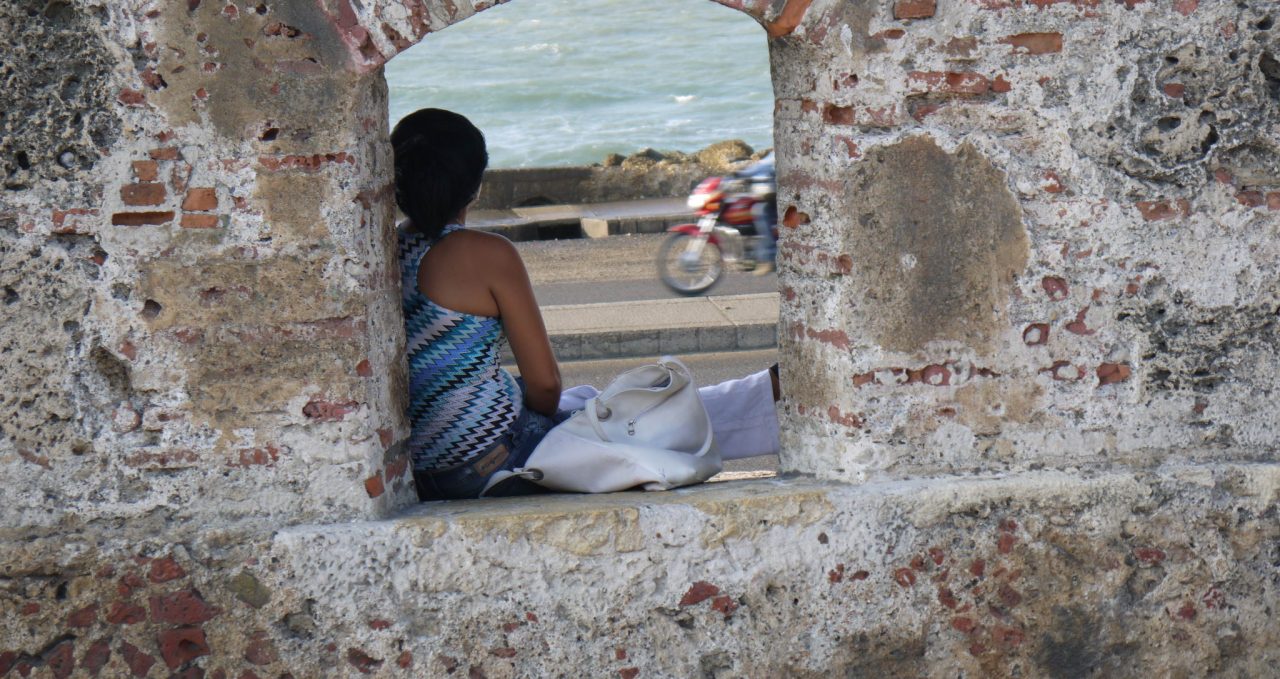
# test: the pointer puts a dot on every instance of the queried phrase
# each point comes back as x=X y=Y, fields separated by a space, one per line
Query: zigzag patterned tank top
x=460 y=399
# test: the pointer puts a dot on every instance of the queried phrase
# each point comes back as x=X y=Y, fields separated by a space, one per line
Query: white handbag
x=647 y=428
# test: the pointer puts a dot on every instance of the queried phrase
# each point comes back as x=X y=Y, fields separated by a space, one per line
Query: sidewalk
x=592 y=220
x=654 y=327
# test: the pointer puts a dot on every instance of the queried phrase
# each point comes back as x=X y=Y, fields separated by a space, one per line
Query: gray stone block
x=567 y=347
x=757 y=335
x=598 y=345
x=595 y=228
x=676 y=341
x=639 y=343
x=720 y=338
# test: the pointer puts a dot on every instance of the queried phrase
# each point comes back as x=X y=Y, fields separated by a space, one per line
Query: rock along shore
x=644 y=174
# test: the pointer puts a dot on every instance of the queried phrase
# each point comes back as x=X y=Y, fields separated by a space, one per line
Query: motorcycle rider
x=737 y=217
x=761 y=177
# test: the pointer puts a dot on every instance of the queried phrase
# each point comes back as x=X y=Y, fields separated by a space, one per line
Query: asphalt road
x=614 y=269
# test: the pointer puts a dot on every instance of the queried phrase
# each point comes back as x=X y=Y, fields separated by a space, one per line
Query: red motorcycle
x=693 y=257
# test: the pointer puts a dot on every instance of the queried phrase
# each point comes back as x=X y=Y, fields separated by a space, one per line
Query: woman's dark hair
x=440 y=159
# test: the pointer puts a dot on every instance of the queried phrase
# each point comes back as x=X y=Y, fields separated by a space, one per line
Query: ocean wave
x=547 y=47
x=589 y=77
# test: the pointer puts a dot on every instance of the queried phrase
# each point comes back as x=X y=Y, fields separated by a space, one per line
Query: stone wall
x=1041 y=575
x=1035 y=240
x=1028 y=233
x=200 y=303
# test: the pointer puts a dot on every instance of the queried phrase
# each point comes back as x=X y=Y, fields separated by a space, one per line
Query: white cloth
x=574 y=398
x=742 y=414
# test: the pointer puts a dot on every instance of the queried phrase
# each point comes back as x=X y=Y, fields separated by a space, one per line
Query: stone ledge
x=788 y=500
x=1041 y=573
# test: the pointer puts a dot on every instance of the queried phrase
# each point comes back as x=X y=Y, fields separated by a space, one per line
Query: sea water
x=564 y=82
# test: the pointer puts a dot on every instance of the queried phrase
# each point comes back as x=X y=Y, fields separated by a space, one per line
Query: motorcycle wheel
x=687 y=267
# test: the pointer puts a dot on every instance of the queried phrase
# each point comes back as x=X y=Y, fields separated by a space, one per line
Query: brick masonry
x=1022 y=239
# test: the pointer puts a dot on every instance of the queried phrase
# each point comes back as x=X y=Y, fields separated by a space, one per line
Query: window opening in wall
x=567 y=82
x=600 y=117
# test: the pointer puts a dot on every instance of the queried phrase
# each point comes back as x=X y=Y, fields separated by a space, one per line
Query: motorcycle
x=694 y=256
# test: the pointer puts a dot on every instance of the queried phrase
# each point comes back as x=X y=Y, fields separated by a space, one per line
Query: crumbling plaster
x=55 y=114
x=776 y=578
x=239 y=291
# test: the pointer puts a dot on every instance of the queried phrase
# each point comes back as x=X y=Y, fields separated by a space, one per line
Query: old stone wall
x=1028 y=234
x=1032 y=239
x=200 y=312
x=1043 y=574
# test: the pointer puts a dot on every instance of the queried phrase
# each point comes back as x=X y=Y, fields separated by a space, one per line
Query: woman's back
x=460 y=400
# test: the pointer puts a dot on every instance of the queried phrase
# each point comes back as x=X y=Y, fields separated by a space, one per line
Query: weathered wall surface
x=1029 y=233
x=57 y=117
x=200 y=312
x=1021 y=235
x=1039 y=575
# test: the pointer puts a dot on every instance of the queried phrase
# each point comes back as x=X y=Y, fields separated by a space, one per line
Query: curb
x=519 y=230
x=675 y=341
x=658 y=327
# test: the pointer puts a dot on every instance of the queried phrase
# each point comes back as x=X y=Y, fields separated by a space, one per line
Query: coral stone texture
x=190 y=311
x=1042 y=575
x=1028 y=234
x=56 y=118
x=1030 y=270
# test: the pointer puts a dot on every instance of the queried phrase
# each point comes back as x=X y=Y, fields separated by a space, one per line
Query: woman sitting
x=464 y=290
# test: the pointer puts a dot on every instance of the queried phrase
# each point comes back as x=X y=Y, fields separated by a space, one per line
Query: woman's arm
x=525 y=330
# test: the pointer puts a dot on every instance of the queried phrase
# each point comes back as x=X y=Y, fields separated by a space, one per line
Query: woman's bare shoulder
x=484 y=245
x=477 y=236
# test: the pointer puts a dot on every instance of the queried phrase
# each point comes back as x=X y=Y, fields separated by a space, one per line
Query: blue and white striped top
x=460 y=399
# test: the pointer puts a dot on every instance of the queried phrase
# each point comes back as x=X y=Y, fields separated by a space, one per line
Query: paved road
x=613 y=269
